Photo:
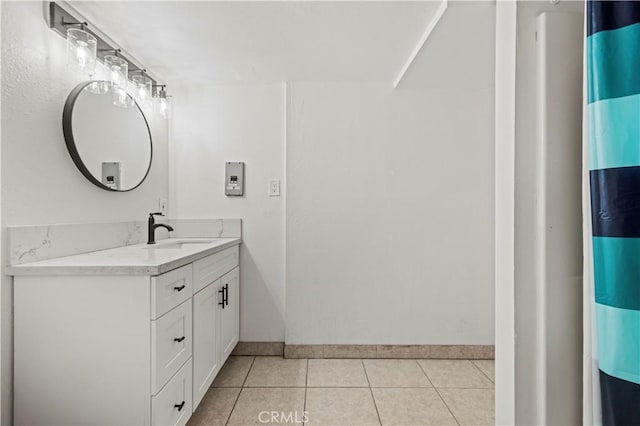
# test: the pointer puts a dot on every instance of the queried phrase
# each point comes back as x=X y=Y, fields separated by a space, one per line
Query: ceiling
x=262 y=42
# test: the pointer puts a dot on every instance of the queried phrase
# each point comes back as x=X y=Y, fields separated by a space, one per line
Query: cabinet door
x=229 y=314
x=205 y=354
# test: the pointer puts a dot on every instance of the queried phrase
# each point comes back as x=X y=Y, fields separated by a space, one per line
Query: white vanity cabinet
x=229 y=314
x=215 y=330
x=123 y=349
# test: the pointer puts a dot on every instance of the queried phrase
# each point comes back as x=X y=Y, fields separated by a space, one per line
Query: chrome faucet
x=153 y=226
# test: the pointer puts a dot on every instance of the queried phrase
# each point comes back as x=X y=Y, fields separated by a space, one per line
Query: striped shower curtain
x=613 y=119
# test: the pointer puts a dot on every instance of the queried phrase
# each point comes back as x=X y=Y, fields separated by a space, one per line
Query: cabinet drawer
x=172 y=406
x=170 y=289
x=171 y=344
x=209 y=269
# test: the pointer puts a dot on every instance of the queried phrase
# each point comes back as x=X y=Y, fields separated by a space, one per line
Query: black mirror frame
x=67 y=115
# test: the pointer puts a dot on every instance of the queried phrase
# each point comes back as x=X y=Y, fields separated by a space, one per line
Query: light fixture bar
x=62 y=15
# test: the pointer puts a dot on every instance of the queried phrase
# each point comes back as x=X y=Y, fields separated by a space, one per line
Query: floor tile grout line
x=439 y=395
x=357 y=387
x=366 y=375
x=244 y=382
x=241 y=389
x=306 y=383
x=425 y=374
x=272 y=387
x=375 y=405
x=465 y=388
x=485 y=374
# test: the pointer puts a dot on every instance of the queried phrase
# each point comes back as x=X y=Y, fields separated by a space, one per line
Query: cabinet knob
x=179 y=288
x=179 y=339
x=180 y=406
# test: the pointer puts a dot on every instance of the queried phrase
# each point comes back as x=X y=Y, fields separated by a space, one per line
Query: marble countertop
x=138 y=259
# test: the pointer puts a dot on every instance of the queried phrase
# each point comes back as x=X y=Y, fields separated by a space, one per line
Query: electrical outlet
x=274 y=188
x=162 y=206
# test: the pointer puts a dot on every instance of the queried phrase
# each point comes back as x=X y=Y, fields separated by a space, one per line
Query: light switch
x=274 y=188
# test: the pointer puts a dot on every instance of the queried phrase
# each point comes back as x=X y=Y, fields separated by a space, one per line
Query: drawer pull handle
x=179 y=339
x=226 y=294
x=179 y=288
x=180 y=406
x=224 y=299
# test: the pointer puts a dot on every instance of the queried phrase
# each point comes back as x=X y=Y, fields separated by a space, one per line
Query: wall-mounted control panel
x=234 y=179
x=111 y=174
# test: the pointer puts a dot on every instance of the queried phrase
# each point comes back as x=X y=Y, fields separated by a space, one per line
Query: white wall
x=389 y=195
x=390 y=199
x=528 y=389
x=212 y=125
x=560 y=39
x=40 y=183
x=389 y=215
x=505 y=100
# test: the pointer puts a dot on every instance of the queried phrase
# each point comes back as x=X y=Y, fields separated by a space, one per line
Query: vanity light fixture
x=142 y=87
x=162 y=103
x=87 y=45
x=118 y=72
x=81 y=49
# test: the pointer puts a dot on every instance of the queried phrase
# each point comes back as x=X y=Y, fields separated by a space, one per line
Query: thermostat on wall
x=234 y=178
x=111 y=174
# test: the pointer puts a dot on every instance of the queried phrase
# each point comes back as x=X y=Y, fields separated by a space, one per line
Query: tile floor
x=339 y=392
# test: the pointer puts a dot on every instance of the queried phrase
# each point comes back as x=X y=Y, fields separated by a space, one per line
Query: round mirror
x=111 y=145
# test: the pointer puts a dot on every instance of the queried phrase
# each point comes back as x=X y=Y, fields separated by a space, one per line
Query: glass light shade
x=162 y=104
x=81 y=51
x=142 y=89
x=118 y=72
x=99 y=87
x=121 y=98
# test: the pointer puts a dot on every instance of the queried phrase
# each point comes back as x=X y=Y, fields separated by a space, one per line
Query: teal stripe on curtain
x=614 y=132
x=619 y=342
x=616 y=263
x=614 y=63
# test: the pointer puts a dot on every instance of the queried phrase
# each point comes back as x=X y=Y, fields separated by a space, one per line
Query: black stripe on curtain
x=615 y=202
x=620 y=398
x=609 y=15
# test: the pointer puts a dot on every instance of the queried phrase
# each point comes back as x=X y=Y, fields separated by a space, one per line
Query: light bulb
x=118 y=71
x=121 y=98
x=82 y=54
x=81 y=51
x=164 y=107
x=143 y=86
x=162 y=104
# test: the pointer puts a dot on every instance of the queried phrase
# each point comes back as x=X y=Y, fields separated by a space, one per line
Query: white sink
x=176 y=244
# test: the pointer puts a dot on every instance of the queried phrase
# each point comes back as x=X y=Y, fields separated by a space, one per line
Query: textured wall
x=40 y=183
x=212 y=125
x=389 y=215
